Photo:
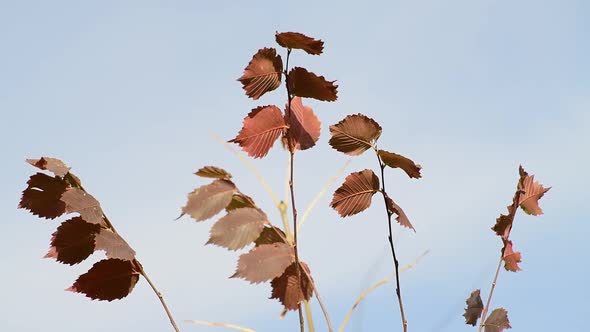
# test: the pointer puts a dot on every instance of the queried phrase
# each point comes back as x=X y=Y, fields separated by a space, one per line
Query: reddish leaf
x=213 y=172
x=240 y=200
x=56 y=166
x=73 y=241
x=533 y=191
x=262 y=127
x=208 y=200
x=474 y=308
x=354 y=134
x=263 y=73
x=300 y=41
x=114 y=245
x=109 y=279
x=77 y=200
x=511 y=258
x=306 y=84
x=355 y=194
x=238 y=228
x=271 y=235
x=401 y=218
x=264 y=262
x=304 y=126
x=504 y=222
x=395 y=160
x=497 y=321
x=42 y=196
x=291 y=290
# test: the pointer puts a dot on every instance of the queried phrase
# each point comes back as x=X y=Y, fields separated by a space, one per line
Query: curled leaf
x=56 y=166
x=304 y=126
x=395 y=160
x=306 y=84
x=300 y=41
x=354 y=134
x=238 y=228
x=270 y=235
x=208 y=200
x=107 y=280
x=42 y=196
x=474 y=308
x=240 y=200
x=73 y=241
x=264 y=262
x=213 y=172
x=497 y=321
x=401 y=218
x=293 y=286
x=511 y=258
x=355 y=194
x=532 y=192
x=261 y=128
x=77 y=200
x=263 y=73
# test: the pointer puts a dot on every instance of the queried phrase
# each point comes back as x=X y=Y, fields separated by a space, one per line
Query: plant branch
x=390 y=237
x=142 y=272
x=322 y=306
x=309 y=316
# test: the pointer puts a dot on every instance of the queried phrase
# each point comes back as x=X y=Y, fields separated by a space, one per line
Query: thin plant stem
x=322 y=306
x=219 y=324
x=309 y=316
x=142 y=271
x=390 y=237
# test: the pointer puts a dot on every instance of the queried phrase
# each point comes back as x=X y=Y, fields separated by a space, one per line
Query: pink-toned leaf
x=300 y=41
x=532 y=192
x=42 y=196
x=107 y=280
x=355 y=194
x=263 y=73
x=293 y=286
x=497 y=321
x=304 y=126
x=213 y=172
x=208 y=200
x=56 y=166
x=474 y=308
x=114 y=245
x=238 y=228
x=73 y=241
x=77 y=200
x=271 y=235
x=264 y=262
x=306 y=84
x=510 y=257
x=395 y=160
x=261 y=128
x=401 y=218
x=354 y=134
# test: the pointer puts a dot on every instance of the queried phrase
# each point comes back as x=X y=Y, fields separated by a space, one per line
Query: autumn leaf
x=306 y=84
x=304 y=126
x=208 y=200
x=511 y=258
x=107 y=280
x=289 y=289
x=504 y=221
x=56 y=166
x=300 y=41
x=261 y=128
x=264 y=262
x=271 y=235
x=238 y=228
x=401 y=218
x=213 y=172
x=263 y=73
x=354 y=134
x=42 y=196
x=240 y=200
x=355 y=194
x=497 y=321
x=474 y=308
x=73 y=241
x=77 y=200
x=395 y=160
x=113 y=245
x=532 y=192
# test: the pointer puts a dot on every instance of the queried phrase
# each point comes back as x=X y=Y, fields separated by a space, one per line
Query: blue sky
x=127 y=92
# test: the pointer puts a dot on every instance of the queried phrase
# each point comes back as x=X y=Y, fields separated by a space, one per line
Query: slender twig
x=324 y=311
x=309 y=316
x=218 y=324
x=142 y=271
x=390 y=237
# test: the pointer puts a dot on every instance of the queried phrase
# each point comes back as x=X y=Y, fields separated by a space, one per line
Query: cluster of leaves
x=527 y=195
x=78 y=237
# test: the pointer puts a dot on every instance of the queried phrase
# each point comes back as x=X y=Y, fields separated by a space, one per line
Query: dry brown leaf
x=289 y=289
x=264 y=262
x=213 y=172
x=354 y=134
x=56 y=166
x=497 y=321
x=395 y=160
x=238 y=228
x=114 y=245
x=474 y=308
x=208 y=200
x=300 y=41
x=77 y=200
x=510 y=257
x=401 y=218
x=306 y=84
x=271 y=235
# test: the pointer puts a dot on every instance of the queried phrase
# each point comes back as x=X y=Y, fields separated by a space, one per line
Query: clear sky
x=127 y=92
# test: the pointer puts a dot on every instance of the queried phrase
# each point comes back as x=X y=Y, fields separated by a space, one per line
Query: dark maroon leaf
x=73 y=241
x=293 y=286
x=354 y=134
x=42 y=196
x=306 y=84
x=271 y=235
x=107 y=280
x=300 y=41
x=395 y=160
x=56 y=166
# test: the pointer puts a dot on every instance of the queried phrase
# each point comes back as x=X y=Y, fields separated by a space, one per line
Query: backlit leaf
x=395 y=160
x=497 y=321
x=533 y=191
x=354 y=134
x=261 y=128
x=77 y=200
x=264 y=262
x=114 y=245
x=355 y=194
x=304 y=126
x=238 y=228
x=306 y=84
x=289 y=289
x=208 y=200
x=213 y=172
x=263 y=73
x=73 y=241
x=42 y=196
x=56 y=166
x=240 y=200
x=504 y=221
x=109 y=279
x=271 y=235
x=474 y=308
x=300 y=41
x=511 y=258
x=401 y=218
